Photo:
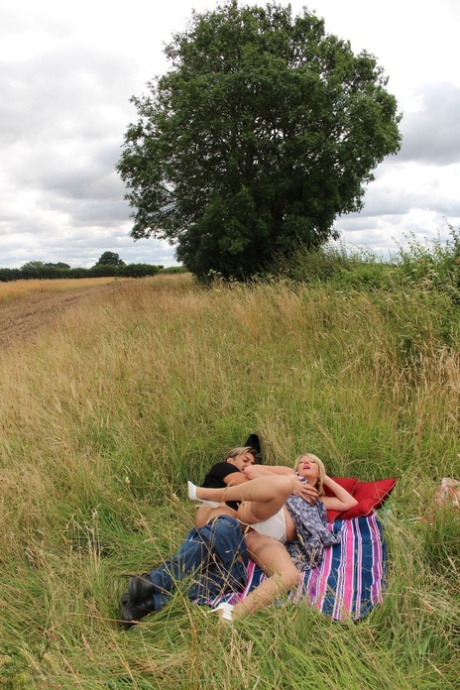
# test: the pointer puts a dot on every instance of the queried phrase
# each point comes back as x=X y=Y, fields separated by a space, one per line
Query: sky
x=68 y=71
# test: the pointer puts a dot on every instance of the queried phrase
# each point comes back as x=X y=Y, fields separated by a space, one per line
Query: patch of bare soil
x=21 y=319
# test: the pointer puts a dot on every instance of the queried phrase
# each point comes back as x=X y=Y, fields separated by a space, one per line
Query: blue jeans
x=215 y=554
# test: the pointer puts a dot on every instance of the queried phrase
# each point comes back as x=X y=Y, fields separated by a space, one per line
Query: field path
x=21 y=319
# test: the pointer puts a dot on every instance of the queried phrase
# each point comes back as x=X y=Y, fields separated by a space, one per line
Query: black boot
x=132 y=613
x=141 y=589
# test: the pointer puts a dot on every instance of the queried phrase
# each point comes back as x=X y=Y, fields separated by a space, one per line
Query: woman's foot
x=193 y=497
x=224 y=611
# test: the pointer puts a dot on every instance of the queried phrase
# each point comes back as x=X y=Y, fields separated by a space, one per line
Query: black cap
x=254 y=443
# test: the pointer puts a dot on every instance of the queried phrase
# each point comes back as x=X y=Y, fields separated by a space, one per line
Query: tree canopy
x=263 y=131
x=110 y=259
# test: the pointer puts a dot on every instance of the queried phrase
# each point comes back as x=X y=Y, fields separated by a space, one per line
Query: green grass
x=105 y=417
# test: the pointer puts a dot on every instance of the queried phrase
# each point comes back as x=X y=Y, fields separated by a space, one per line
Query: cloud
x=432 y=134
x=406 y=197
x=62 y=120
x=400 y=187
x=384 y=234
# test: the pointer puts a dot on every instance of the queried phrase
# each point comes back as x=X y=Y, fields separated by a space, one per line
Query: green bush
x=433 y=265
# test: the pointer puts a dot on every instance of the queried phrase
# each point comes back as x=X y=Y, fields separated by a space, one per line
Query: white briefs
x=274 y=526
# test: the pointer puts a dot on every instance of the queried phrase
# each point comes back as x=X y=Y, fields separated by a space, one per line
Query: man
x=215 y=552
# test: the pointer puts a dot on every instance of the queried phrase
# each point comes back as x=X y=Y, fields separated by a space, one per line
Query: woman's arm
x=342 y=500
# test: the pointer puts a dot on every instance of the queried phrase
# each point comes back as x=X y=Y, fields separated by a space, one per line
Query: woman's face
x=308 y=468
x=242 y=461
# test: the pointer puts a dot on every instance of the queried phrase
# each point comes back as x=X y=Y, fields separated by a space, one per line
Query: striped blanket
x=350 y=580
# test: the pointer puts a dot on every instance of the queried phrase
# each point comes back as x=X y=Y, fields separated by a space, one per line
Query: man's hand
x=305 y=491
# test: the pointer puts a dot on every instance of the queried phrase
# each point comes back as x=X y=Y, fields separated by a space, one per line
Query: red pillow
x=370 y=495
x=348 y=483
x=333 y=515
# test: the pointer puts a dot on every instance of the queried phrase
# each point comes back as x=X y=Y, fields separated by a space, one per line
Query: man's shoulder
x=217 y=473
x=223 y=468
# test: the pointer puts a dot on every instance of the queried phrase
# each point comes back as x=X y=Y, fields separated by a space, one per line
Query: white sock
x=191 y=491
x=193 y=497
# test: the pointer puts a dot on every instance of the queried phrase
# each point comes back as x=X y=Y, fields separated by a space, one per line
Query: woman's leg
x=275 y=561
x=264 y=496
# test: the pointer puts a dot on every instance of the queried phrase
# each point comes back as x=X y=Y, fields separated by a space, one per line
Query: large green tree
x=260 y=134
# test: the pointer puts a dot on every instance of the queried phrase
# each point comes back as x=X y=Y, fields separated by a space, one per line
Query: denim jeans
x=215 y=554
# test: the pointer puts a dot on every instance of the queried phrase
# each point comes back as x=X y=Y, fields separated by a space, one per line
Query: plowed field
x=21 y=319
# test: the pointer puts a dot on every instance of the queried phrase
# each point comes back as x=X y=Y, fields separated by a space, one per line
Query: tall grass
x=107 y=415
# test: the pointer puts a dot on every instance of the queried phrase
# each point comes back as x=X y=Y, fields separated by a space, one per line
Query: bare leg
x=264 y=496
x=273 y=558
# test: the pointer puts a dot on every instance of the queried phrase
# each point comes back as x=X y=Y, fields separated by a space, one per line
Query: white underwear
x=274 y=527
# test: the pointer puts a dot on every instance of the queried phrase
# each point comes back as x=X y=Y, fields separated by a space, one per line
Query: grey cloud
x=79 y=182
x=432 y=135
x=397 y=201
x=64 y=95
x=62 y=120
x=104 y=214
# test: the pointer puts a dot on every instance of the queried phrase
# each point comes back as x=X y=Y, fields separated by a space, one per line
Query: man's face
x=242 y=461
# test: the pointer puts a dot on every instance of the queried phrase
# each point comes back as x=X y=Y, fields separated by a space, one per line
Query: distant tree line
x=108 y=265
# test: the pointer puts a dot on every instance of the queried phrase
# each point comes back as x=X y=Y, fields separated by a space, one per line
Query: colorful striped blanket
x=350 y=580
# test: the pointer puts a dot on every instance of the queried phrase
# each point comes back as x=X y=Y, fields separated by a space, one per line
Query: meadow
x=106 y=415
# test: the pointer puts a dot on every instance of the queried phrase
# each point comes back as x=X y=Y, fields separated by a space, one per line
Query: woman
x=262 y=507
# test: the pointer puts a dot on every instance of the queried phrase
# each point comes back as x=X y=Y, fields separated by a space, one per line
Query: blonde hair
x=239 y=450
x=322 y=469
